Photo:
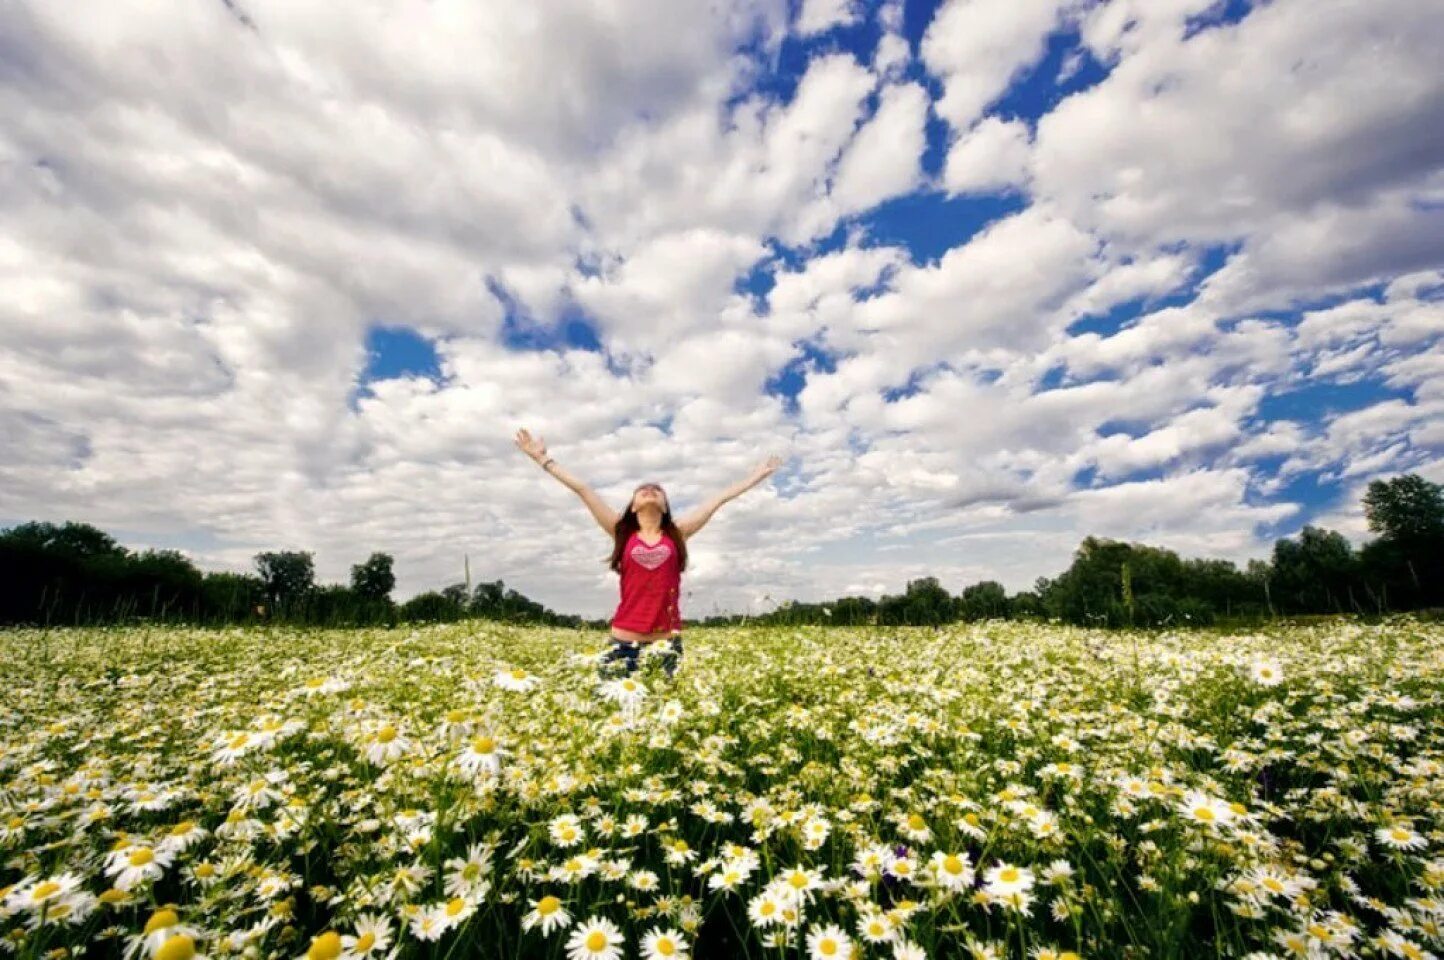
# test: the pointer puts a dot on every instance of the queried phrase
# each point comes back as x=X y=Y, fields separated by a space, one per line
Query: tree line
x=77 y=574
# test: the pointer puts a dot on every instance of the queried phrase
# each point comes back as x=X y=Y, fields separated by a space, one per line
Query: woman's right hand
x=533 y=447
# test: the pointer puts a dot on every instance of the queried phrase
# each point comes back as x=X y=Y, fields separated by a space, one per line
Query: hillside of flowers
x=982 y=791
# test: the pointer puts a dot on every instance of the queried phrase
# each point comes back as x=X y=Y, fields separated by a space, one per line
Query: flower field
x=984 y=790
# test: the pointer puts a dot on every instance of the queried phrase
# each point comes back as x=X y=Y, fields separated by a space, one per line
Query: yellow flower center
x=205 y=870
x=316 y=682
x=520 y=674
x=181 y=828
x=1008 y=874
x=952 y=864
x=915 y=822
x=179 y=947
x=160 y=920
x=455 y=716
x=483 y=745
x=454 y=906
x=46 y=889
x=325 y=947
x=547 y=906
x=666 y=947
x=365 y=942
x=141 y=857
x=386 y=734
x=596 y=940
x=768 y=908
x=113 y=896
x=1203 y=813
x=798 y=880
x=827 y=947
x=240 y=740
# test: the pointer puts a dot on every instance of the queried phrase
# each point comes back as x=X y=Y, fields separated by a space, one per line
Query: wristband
x=548 y=460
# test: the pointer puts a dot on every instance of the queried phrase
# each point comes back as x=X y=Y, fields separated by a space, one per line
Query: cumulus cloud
x=205 y=207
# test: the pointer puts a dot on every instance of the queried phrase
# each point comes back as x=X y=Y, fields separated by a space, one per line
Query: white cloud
x=977 y=46
x=819 y=16
x=992 y=156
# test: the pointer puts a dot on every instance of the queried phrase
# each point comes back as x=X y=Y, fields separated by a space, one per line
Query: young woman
x=649 y=552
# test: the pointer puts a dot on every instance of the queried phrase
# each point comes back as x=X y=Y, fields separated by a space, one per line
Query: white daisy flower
x=596 y=939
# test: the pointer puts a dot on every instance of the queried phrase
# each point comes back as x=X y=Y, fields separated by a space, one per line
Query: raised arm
x=694 y=521
x=536 y=448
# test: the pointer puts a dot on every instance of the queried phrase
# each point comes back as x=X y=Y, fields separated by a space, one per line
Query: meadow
x=982 y=790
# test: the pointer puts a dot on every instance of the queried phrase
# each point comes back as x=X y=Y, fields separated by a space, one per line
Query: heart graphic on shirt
x=651 y=557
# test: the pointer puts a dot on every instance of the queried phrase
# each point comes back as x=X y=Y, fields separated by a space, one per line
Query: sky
x=988 y=275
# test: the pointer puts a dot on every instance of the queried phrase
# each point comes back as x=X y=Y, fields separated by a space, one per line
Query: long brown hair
x=627 y=524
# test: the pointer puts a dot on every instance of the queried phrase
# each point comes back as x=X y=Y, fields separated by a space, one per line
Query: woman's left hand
x=765 y=469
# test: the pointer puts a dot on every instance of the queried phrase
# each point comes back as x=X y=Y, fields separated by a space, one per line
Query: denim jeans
x=631 y=653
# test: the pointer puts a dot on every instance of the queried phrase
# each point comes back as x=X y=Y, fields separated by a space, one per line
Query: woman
x=649 y=551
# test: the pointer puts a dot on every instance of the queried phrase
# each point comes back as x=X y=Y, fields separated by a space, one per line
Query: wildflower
x=482 y=756
x=596 y=939
x=516 y=679
x=373 y=935
x=952 y=871
x=385 y=745
x=549 y=914
x=134 y=864
x=828 y=943
x=1266 y=672
x=664 y=944
x=566 y=830
x=1200 y=808
x=1003 y=879
x=1400 y=836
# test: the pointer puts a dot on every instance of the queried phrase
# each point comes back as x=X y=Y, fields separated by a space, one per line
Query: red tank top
x=651 y=585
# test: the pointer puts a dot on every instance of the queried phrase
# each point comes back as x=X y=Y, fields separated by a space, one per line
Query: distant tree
x=1406 y=509
x=983 y=601
x=1315 y=573
x=287 y=575
x=78 y=540
x=373 y=580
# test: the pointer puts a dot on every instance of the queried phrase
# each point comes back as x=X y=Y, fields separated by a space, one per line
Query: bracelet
x=548 y=460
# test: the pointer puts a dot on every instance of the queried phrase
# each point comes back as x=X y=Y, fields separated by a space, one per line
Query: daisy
x=1400 y=836
x=764 y=910
x=566 y=830
x=453 y=913
x=427 y=924
x=482 y=756
x=162 y=927
x=1003 y=879
x=385 y=745
x=1266 y=672
x=814 y=832
x=468 y=875
x=182 y=836
x=728 y=879
x=1202 y=809
x=232 y=745
x=549 y=913
x=799 y=883
x=596 y=939
x=663 y=944
x=373 y=935
x=182 y=946
x=134 y=864
x=828 y=943
x=915 y=828
x=643 y=880
x=325 y=946
x=900 y=866
x=874 y=926
x=626 y=691
x=951 y=871
x=516 y=679
x=39 y=894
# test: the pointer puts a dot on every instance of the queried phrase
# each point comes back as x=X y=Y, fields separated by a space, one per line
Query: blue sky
x=991 y=275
